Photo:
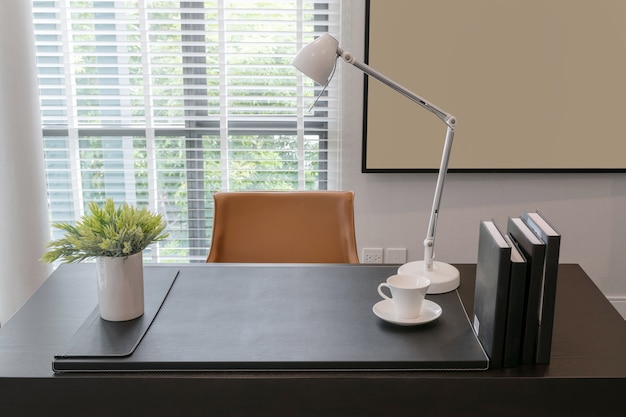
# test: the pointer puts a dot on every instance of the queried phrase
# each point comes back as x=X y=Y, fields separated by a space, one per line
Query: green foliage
x=106 y=231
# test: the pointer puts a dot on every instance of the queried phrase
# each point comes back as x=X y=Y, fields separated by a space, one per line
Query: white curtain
x=23 y=208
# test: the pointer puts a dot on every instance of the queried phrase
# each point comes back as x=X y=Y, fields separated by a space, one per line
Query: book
x=492 y=291
x=534 y=251
x=515 y=316
x=552 y=239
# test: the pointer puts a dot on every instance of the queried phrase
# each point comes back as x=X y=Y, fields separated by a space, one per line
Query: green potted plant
x=115 y=238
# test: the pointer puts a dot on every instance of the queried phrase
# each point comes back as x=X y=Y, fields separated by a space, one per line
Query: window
x=163 y=103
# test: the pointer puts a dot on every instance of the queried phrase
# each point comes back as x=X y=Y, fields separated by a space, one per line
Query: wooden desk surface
x=586 y=375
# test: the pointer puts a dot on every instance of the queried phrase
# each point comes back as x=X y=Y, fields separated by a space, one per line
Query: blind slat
x=162 y=103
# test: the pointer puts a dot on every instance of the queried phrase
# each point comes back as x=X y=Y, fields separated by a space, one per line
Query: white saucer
x=387 y=311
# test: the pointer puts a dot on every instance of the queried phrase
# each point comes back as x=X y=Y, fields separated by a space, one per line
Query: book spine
x=515 y=316
x=552 y=239
x=534 y=251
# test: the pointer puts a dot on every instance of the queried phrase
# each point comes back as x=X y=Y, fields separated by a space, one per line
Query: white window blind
x=163 y=103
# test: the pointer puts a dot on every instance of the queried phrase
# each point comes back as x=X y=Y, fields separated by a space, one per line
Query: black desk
x=586 y=376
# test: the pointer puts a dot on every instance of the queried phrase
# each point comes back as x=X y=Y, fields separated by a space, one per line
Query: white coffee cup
x=407 y=294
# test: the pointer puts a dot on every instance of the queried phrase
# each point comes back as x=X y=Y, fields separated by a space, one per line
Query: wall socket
x=395 y=255
x=372 y=255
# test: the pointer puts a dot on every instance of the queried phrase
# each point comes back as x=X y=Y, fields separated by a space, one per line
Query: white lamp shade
x=317 y=59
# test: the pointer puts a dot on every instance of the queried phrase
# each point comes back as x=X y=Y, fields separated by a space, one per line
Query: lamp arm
x=448 y=119
x=429 y=242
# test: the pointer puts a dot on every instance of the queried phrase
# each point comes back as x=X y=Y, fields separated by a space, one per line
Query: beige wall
x=533 y=83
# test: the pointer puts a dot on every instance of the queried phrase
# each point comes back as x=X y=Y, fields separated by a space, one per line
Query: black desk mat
x=291 y=317
x=98 y=338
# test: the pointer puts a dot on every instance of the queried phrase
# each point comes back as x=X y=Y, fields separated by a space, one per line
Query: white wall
x=23 y=210
x=392 y=209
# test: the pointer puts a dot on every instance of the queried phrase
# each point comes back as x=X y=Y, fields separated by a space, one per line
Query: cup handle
x=380 y=290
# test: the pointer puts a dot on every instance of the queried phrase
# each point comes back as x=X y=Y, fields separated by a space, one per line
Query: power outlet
x=372 y=255
x=395 y=255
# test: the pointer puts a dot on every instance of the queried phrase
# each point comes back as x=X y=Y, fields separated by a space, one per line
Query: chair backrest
x=284 y=227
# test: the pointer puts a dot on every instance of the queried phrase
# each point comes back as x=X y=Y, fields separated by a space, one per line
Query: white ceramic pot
x=120 y=287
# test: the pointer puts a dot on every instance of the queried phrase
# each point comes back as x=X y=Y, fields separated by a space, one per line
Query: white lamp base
x=443 y=278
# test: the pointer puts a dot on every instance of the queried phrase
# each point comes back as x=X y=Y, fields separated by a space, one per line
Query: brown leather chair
x=284 y=227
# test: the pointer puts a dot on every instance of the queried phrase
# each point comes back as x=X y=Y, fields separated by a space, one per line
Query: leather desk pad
x=221 y=317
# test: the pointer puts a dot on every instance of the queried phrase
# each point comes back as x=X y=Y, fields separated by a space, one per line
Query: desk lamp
x=317 y=60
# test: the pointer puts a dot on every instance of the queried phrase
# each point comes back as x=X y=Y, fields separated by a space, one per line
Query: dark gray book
x=515 y=317
x=534 y=251
x=492 y=291
x=552 y=238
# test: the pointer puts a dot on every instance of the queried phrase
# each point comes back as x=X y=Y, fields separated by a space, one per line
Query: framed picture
x=535 y=85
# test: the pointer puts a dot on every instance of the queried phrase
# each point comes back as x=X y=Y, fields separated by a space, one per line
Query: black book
x=492 y=291
x=534 y=251
x=515 y=317
x=552 y=238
